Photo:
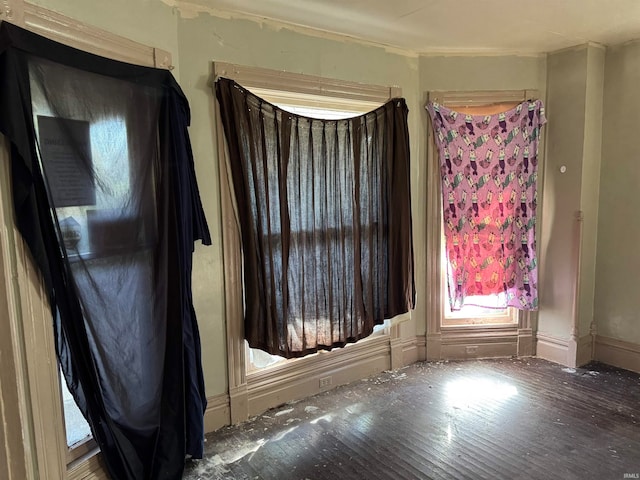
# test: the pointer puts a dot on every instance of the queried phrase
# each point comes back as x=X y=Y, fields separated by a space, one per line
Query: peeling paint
x=193 y=8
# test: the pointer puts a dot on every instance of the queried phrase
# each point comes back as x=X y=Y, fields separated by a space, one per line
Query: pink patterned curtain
x=488 y=167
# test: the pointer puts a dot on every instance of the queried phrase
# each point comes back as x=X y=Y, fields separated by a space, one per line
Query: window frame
x=249 y=389
x=463 y=337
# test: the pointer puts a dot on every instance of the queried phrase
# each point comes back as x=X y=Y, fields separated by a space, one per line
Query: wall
x=565 y=141
x=574 y=132
x=617 y=303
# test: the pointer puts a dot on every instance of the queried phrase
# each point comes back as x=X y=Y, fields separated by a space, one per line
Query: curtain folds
x=325 y=218
x=105 y=197
x=488 y=167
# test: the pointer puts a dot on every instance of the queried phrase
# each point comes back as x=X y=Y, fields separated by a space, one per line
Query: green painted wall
x=617 y=302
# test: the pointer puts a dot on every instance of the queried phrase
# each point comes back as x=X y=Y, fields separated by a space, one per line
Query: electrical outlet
x=325 y=382
x=472 y=349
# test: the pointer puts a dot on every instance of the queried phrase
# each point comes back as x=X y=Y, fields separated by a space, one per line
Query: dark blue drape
x=125 y=328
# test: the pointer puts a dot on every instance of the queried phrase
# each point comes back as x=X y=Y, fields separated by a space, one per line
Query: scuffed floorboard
x=488 y=419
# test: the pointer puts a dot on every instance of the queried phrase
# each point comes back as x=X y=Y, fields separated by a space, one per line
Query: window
x=478 y=310
x=76 y=427
x=455 y=334
x=315 y=106
x=252 y=389
x=472 y=314
x=85 y=211
x=41 y=394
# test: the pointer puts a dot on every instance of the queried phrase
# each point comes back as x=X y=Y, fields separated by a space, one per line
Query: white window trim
x=460 y=341
x=35 y=439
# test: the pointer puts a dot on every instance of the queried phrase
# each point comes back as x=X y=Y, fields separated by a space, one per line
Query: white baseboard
x=218 y=413
x=417 y=352
x=618 y=353
x=552 y=348
x=413 y=350
x=464 y=343
x=301 y=379
x=585 y=350
x=433 y=347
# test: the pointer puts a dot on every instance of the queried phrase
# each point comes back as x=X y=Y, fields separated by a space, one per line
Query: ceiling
x=452 y=26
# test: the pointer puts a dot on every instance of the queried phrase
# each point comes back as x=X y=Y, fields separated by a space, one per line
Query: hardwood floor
x=490 y=419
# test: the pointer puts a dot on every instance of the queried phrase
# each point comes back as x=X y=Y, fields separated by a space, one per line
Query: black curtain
x=325 y=219
x=106 y=199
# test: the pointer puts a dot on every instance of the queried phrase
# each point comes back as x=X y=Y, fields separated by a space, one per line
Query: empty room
x=317 y=239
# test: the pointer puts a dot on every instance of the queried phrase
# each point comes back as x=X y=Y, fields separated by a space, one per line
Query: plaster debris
x=286 y=411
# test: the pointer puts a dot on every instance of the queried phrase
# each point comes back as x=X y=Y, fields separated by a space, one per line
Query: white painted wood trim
x=15 y=402
x=463 y=343
x=574 y=340
x=232 y=266
x=89 y=467
x=433 y=346
x=479 y=98
x=304 y=84
x=39 y=397
x=413 y=350
x=585 y=350
x=618 y=353
x=218 y=413
x=12 y=11
x=553 y=348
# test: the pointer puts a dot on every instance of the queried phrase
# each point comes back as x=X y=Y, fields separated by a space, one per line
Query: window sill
x=480 y=328
x=81 y=449
x=89 y=466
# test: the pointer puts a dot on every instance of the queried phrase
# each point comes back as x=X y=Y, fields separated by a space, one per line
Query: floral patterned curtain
x=488 y=167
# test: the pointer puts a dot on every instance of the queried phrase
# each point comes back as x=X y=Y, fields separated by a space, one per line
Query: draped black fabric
x=325 y=218
x=106 y=199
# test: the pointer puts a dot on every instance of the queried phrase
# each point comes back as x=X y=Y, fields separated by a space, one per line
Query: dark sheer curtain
x=105 y=196
x=325 y=219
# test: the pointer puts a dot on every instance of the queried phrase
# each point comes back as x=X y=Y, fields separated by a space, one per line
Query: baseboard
x=218 y=413
x=309 y=376
x=552 y=348
x=418 y=351
x=413 y=350
x=618 y=353
x=525 y=345
x=466 y=343
x=585 y=350
x=433 y=347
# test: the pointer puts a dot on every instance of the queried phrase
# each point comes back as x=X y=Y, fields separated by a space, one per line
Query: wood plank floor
x=491 y=419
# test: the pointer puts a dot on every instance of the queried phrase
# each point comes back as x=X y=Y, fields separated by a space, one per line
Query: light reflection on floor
x=472 y=392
